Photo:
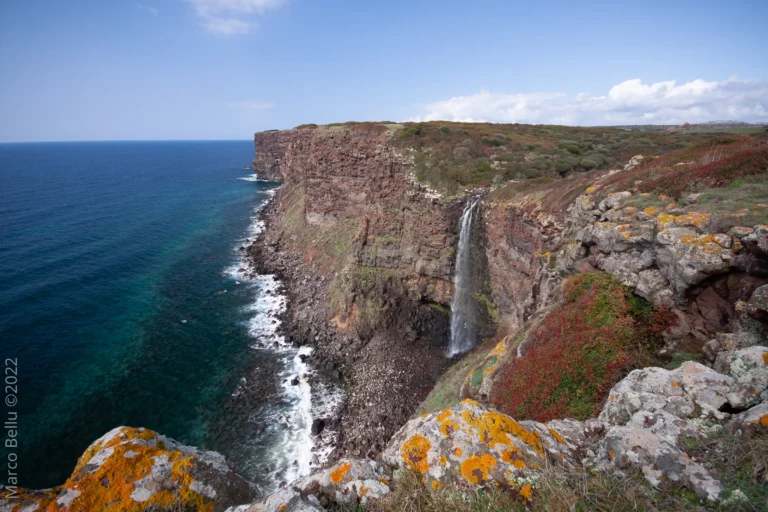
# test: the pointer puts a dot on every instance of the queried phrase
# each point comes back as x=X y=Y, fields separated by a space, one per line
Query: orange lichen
x=526 y=491
x=414 y=453
x=495 y=428
x=443 y=415
x=457 y=451
x=110 y=486
x=765 y=358
x=674 y=384
x=557 y=436
x=475 y=469
x=469 y=401
x=363 y=491
x=764 y=420
x=436 y=485
x=282 y=507
x=499 y=350
x=338 y=473
x=443 y=460
x=650 y=210
x=611 y=454
x=613 y=397
x=384 y=481
x=448 y=427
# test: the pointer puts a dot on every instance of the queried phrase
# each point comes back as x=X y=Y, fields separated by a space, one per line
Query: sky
x=223 y=69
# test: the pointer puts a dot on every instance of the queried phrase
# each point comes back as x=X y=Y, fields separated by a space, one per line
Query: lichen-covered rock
x=348 y=482
x=691 y=391
x=473 y=445
x=662 y=463
x=135 y=469
x=750 y=422
x=613 y=200
x=749 y=367
x=285 y=500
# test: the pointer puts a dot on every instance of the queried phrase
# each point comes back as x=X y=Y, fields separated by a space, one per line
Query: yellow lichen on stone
x=495 y=428
x=414 y=453
x=443 y=460
x=436 y=485
x=475 y=469
x=590 y=190
x=338 y=473
x=123 y=472
x=499 y=350
x=557 y=436
x=448 y=427
x=457 y=451
x=650 y=210
x=443 y=415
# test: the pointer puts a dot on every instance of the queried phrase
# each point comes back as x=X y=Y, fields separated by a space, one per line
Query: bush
x=587 y=163
x=579 y=351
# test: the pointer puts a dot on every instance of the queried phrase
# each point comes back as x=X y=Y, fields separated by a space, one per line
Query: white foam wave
x=296 y=452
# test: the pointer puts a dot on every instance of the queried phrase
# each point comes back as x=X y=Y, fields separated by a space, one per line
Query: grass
x=579 y=351
x=450 y=157
x=740 y=465
x=446 y=392
x=732 y=129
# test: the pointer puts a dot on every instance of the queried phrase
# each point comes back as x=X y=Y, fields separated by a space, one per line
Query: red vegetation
x=579 y=351
x=713 y=164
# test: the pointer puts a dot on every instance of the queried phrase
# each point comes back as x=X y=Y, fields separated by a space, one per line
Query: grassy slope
x=453 y=156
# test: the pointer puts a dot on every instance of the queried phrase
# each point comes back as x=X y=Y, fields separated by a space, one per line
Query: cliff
x=368 y=257
x=623 y=316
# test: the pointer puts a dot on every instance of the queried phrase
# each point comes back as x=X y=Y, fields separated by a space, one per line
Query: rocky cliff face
x=368 y=255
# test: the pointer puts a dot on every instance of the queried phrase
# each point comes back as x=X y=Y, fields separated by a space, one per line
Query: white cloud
x=251 y=105
x=630 y=102
x=230 y=17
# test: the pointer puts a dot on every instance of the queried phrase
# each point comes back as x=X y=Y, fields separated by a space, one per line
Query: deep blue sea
x=117 y=301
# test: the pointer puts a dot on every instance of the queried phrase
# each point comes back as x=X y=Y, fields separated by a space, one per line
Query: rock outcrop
x=135 y=469
x=472 y=445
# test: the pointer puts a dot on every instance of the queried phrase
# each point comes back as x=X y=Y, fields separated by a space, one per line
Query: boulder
x=348 y=482
x=136 y=468
x=662 y=463
x=285 y=500
x=750 y=422
x=749 y=367
x=472 y=445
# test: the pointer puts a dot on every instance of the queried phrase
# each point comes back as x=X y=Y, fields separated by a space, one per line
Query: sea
x=125 y=300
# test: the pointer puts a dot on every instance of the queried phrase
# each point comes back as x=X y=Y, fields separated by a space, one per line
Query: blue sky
x=222 y=69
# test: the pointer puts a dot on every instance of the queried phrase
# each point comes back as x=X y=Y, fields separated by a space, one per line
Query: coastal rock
x=286 y=500
x=136 y=468
x=750 y=422
x=662 y=464
x=348 y=482
x=682 y=392
x=472 y=445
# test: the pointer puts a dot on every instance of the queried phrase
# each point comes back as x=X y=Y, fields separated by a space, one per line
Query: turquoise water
x=114 y=296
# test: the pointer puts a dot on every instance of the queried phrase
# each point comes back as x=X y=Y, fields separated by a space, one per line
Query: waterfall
x=463 y=311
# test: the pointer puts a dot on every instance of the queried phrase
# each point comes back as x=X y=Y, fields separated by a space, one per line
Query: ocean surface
x=122 y=300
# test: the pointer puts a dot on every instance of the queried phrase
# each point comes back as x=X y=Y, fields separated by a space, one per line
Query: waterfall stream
x=463 y=311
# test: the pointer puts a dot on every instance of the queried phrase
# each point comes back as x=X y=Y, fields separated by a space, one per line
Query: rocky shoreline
x=386 y=374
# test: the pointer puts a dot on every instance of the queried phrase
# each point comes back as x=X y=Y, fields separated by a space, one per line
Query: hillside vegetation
x=450 y=157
